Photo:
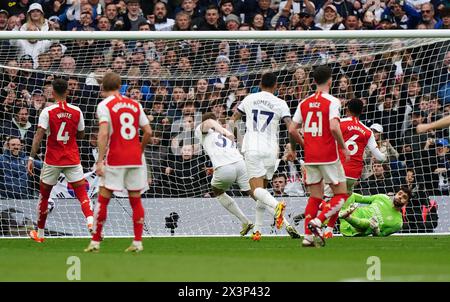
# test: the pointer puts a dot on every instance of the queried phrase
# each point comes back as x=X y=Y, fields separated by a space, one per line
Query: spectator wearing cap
x=35 y=16
x=4 y=15
x=383 y=143
x=211 y=20
x=428 y=16
x=444 y=23
x=28 y=79
x=343 y=7
x=386 y=22
x=131 y=19
x=183 y=21
x=404 y=16
x=327 y=17
x=232 y=22
x=306 y=21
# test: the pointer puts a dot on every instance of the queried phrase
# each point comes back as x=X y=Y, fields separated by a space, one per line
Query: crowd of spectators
x=401 y=85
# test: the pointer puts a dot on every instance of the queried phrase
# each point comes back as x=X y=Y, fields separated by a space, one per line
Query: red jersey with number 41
x=124 y=117
x=61 y=121
x=315 y=113
x=356 y=136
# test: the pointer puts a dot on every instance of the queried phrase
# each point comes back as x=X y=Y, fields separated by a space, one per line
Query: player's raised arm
x=373 y=147
x=211 y=123
x=441 y=123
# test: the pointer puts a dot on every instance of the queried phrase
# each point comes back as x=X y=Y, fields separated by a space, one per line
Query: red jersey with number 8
x=315 y=113
x=356 y=136
x=124 y=117
x=61 y=121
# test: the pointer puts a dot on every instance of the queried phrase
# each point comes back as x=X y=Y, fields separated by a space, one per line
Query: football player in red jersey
x=64 y=124
x=357 y=137
x=121 y=164
x=319 y=116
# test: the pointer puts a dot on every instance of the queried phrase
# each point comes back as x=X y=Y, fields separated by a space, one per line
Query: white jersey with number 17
x=263 y=111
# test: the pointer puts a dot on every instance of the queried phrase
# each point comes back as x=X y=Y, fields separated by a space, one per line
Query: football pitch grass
x=402 y=258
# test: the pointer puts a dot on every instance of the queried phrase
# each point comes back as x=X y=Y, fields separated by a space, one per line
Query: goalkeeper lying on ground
x=382 y=217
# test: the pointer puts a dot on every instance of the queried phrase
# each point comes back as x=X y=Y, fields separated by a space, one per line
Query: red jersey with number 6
x=61 y=121
x=315 y=113
x=356 y=136
x=124 y=117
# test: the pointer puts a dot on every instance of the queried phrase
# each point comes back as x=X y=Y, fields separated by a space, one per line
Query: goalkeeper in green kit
x=382 y=216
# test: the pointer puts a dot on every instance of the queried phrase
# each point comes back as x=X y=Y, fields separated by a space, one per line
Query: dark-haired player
x=64 y=124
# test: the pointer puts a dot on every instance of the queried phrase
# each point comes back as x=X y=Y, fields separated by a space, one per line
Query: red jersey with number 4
x=315 y=113
x=124 y=117
x=61 y=121
x=356 y=136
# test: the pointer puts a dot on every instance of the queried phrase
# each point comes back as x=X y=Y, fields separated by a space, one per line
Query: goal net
x=402 y=81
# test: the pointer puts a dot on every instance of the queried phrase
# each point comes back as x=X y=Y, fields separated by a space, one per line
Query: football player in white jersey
x=228 y=164
x=263 y=111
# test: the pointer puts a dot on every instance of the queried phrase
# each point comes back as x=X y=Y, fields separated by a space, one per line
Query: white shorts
x=50 y=174
x=118 y=179
x=329 y=173
x=260 y=165
x=227 y=175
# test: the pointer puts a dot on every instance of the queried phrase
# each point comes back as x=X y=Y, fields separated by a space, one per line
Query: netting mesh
x=402 y=83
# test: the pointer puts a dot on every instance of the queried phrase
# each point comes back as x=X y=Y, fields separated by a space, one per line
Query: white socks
x=259 y=217
x=265 y=197
x=90 y=220
x=137 y=243
x=232 y=207
x=40 y=233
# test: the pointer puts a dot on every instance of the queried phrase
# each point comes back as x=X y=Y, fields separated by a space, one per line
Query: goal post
x=402 y=76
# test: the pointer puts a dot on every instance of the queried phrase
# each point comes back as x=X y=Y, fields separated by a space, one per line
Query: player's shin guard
x=138 y=217
x=101 y=211
x=43 y=205
x=311 y=212
x=265 y=197
x=334 y=206
x=82 y=196
x=259 y=216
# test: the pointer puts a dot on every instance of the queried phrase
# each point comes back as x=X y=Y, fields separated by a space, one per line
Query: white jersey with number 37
x=221 y=150
x=263 y=112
